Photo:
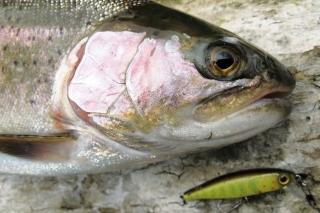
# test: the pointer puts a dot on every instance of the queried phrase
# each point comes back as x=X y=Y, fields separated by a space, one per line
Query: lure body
x=241 y=184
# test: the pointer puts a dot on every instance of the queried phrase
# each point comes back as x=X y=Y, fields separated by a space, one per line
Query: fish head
x=157 y=80
x=146 y=84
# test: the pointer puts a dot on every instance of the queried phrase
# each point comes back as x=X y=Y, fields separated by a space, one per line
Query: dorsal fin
x=56 y=146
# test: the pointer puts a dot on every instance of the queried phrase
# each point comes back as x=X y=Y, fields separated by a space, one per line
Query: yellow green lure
x=241 y=184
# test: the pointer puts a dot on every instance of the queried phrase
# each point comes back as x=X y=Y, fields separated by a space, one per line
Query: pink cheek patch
x=160 y=76
x=100 y=77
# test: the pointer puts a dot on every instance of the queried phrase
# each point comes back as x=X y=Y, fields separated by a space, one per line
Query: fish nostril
x=271 y=75
x=263 y=64
x=269 y=61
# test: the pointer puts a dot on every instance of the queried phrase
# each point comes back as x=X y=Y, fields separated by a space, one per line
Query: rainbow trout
x=92 y=86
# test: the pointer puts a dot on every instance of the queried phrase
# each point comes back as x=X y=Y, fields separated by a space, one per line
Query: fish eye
x=284 y=179
x=222 y=61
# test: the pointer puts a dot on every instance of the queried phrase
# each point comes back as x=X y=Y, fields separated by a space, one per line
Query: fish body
x=98 y=86
x=241 y=184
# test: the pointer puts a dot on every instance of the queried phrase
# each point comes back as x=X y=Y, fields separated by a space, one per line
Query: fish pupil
x=224 y=60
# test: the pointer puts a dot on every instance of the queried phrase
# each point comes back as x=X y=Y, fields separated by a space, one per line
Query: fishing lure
x=242 y=184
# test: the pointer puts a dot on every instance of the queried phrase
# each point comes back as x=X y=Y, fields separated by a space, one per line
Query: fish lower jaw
x=249 y=121
x=275 y=109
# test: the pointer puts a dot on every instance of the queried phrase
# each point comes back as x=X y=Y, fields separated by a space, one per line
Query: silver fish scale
x=102 y=8
x=34 y=37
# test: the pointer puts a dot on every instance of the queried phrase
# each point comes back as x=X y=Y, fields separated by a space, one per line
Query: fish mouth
x=238 y=99
x=244 y=113
x=273 y=94
x=273 y=101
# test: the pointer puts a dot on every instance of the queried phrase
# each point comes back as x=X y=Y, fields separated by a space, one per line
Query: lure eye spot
x=284 y=179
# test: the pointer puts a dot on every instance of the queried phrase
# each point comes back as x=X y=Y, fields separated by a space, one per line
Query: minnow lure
x=241 y=184
x=245 y=183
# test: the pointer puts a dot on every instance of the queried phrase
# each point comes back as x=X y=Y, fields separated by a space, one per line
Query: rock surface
x=290 y=30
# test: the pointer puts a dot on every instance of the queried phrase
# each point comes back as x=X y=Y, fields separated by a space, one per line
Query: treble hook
x=237 y=205
x=304 y=187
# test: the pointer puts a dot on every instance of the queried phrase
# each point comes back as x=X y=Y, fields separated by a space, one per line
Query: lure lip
x=241 y=172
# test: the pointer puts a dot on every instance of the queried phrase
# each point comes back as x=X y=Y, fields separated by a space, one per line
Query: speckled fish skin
x=83 y=92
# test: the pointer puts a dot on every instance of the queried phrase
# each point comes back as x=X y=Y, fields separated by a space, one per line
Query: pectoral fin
x=49 y=147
